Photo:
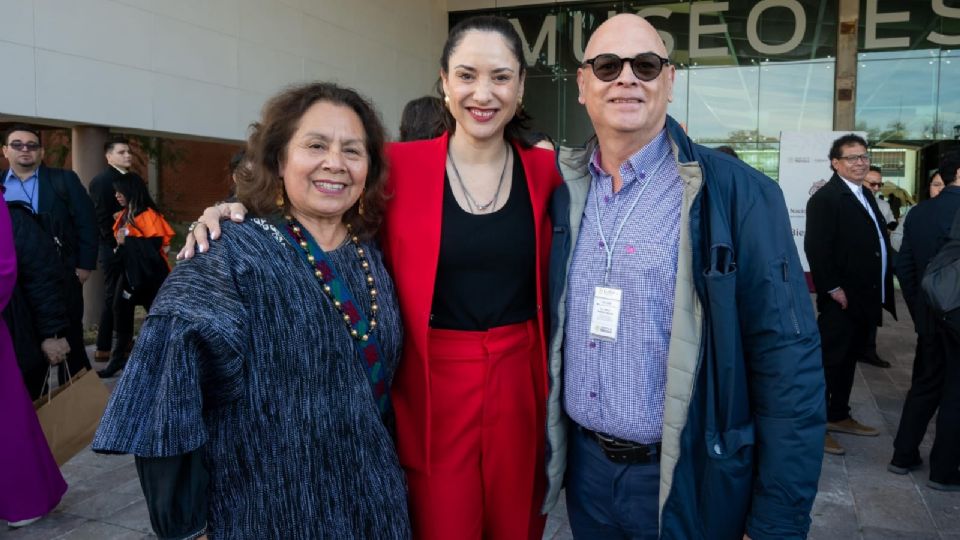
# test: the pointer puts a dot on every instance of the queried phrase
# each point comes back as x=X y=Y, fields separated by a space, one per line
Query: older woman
x=467 y=237
x=255 y=400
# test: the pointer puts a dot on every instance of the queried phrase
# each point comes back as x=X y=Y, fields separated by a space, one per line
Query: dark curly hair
x=836 y=149
x=518 y=126
x=258 y=184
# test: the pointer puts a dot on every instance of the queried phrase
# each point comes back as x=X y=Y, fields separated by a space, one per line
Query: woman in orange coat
x=143 y=239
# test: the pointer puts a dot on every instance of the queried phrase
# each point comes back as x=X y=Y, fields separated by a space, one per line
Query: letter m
x=548 y=34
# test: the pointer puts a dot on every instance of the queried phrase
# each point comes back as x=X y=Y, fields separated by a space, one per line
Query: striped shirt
x=618 y=387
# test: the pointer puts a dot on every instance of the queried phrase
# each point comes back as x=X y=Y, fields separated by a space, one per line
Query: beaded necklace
x=361 y=327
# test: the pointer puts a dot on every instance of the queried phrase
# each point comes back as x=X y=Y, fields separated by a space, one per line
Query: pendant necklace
x=473 y=206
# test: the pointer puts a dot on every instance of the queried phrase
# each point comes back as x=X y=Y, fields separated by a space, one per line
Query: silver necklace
x=473 y=206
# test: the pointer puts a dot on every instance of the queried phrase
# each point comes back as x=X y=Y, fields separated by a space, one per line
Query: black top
x=486 y=275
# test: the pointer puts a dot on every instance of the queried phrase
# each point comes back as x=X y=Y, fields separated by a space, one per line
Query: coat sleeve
x=8 y=256
x=784 y=370
x=819 y=245
x=84 y=221
x=906 y=269
x=40 y=281
x=102 y=194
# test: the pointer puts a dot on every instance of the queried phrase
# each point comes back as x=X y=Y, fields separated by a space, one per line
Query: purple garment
x=30 y=482
x=618 y=388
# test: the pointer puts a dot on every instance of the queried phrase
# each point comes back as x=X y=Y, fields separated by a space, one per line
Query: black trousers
x=935 y=384
x=111 y=272
x=842 y=334
x=124 y=304
x=77 y=359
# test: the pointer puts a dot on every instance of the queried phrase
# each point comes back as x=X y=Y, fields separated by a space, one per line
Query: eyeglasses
x=863 y=158
x=646 y=66
x=20 y=146
x=875 y=184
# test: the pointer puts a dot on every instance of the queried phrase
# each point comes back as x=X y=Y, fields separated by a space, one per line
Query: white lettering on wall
x=662 y=12
x=548 y=35
x=697 y=29
x=947 y=13
x=799 y=26
x=874 y=18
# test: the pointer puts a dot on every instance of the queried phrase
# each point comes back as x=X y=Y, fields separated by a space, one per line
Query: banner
x=804 y=168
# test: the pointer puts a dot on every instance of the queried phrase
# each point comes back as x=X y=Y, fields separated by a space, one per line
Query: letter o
x=800 y=26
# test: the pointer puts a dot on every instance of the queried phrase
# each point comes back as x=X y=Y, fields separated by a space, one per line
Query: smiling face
x=324 y=169
x=483 y=83
x=858 y=169
x=626 y=105
x=23 y=159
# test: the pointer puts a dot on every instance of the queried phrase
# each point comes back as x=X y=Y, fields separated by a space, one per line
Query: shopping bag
x=70 y=414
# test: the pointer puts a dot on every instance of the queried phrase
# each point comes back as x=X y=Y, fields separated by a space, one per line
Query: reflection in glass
x=795 y=97
x=948 y=112
x=723 y=104
x=678 y=107
x=897 y=99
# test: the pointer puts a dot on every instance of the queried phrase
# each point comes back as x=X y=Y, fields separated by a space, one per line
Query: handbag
x=941 y=281
x=70 y=414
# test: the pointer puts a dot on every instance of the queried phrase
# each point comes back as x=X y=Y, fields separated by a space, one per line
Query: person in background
x=728 y=150
x=256 y=400
x=936 y=184
x=30 y=482
x=143 y=239
x=467 y=238
x=874 y=182
x=422 y=119
x=119 y=160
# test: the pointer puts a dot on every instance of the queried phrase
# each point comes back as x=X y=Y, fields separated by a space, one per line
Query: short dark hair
x=113 y=141
x=422 y=118
x=727 y=150
x=836 y=149
x=949 y=164
x=518 y=125
x=876 y=169
x=21 y=127
x=258 y=184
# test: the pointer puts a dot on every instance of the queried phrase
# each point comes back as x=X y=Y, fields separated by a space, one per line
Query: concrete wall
x=204 y=67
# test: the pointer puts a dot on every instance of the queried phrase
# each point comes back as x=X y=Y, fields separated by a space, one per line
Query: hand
x=55 y=349
x=746 y=536
x=121 y=236
x=210 y=221
x=839 y=297
x=83 y=275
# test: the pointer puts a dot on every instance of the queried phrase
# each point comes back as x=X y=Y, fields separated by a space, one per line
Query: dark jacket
x=926 y=230
x=105 y=202
x=744 y=413
x=37 y=310
x=65 y=203
x=842 y=249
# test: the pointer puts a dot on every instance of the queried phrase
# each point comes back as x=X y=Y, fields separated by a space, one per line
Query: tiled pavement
x=858 y=499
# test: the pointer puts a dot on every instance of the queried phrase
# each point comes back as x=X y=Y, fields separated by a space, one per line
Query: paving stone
x=100 y=505
x=96 y=530
x=876 y=533
x=135 y=516
x=893 y=508
x=53 y=525
x=944 y=507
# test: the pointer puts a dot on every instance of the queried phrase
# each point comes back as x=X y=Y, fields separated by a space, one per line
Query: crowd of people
x=430 y=338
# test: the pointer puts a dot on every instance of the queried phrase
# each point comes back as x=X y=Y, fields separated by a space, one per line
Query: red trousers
x=487 y=437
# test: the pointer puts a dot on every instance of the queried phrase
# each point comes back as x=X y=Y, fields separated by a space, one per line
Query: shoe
x=831 y=446
x=904 y=468
x=851 y=426
x=23 y=522
x=112 y=368
x=101 y=356
x=943 y=486
x=875 y=361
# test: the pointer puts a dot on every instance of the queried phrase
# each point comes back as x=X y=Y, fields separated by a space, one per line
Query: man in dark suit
x=936 y=366
x=119 y=159
x=63 y=205
x=848 y=249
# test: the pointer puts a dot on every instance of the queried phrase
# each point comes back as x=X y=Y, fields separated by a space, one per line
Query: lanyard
x=608 y=246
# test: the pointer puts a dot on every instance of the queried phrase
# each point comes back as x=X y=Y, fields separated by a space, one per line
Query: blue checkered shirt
x=618 y=387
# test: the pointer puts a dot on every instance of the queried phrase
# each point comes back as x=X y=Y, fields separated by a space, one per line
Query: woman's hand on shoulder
x=207 y=227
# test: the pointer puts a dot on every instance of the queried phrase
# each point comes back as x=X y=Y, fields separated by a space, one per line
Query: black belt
x=621 y=451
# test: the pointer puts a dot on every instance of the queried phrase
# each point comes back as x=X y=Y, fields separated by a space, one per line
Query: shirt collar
x=12 y=176
x=637 y=165
x=857 y=190
x=121 y=171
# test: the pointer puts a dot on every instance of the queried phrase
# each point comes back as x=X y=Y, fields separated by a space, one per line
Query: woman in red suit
x=467 y=238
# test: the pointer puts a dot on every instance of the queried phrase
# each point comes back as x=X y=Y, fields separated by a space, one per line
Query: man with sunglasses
x=849 y=254
x=682 y=348
x=65 y=209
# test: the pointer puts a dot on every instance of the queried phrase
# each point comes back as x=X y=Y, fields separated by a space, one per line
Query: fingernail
x=200 y=249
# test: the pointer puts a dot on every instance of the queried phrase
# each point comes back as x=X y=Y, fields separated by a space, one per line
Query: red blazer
x=410 y=239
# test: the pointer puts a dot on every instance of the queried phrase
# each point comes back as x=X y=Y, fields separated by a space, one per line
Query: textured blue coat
x=751 y=450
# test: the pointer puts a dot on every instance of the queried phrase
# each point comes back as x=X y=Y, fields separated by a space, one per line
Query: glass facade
x=748 y=70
